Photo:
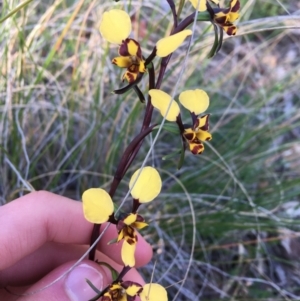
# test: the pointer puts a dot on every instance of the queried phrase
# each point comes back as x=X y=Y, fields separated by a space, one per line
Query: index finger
x=30 y=221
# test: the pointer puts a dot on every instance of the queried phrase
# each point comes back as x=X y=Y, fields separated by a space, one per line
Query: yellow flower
x=147 y=186
x=126 y=230
x=196 y=134
x=131 y=58
x=115 y=27
x=197 y=102
x=97 y=205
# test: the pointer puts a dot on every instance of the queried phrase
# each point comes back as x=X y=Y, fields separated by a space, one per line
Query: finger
x=62 y=290
x=73 y=286
x=41 y=216
x=38 y=264
x=36 y=218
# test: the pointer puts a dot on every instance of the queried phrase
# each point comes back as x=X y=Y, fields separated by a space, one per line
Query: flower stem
x=128 y=156
x=135 y=145
x=173 y=9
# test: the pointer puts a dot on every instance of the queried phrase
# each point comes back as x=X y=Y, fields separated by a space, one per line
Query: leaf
x=171 y=155
x=139 y=94
x=181 y=159
x=129 y=86
x=15 y=10
x=114 y=273
x=169 y=127
x=203 y=16
x=217 y=43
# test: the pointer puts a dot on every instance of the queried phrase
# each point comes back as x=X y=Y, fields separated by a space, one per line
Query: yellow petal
x=196 y=148
x=97 y=205
x=201 y=5
x=196 y=101
x=230 y=30
x=203 y=122
x=122 y=61
x=121 y=235
x=189 y=134
x=130 y=219
x=153 y=292
x=203 y=135
x=115 y=26
x=169 y=44
x=133 y=289
x=147 y=186
x=233 y=17
x=142 y=67
x=139 y=225
x=133 y=47
x=127 y=254
x=130 y=76
x=161 y=100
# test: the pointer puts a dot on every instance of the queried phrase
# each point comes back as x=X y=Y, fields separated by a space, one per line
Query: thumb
x=72 y=287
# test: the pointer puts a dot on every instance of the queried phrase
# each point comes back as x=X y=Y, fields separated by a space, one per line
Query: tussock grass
x=226 y=225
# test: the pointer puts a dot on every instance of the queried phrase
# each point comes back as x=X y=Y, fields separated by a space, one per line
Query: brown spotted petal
x=203 y=135
x=221 y=18
x=202 y=123
x=196 y=148
x=230 y=30
x=139 y=223
x=126 y=232
x=235 y=5
x=130 y=235
x=115 y=292
x=189 y=134
x=130 y=76
x=122 y=61
x=132 y=288
x=194 y=136
x=130 y=47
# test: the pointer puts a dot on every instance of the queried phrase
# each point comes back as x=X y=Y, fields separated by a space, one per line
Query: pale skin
x=41 y=236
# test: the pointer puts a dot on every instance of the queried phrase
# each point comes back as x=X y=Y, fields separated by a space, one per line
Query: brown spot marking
x=221 y=20
x=139 y=218
x=231 y=30
x=134 y=69
x=236 y=7
x=123 y=50
x=189 y=136
x=130 y=241
x=130 y=77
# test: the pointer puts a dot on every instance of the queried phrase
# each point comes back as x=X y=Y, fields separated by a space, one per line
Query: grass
x=226 y=225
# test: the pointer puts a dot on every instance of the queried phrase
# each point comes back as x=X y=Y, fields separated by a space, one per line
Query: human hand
x=41 y=236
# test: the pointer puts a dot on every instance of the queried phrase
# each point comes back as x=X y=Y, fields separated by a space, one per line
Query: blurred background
x=226 y=225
